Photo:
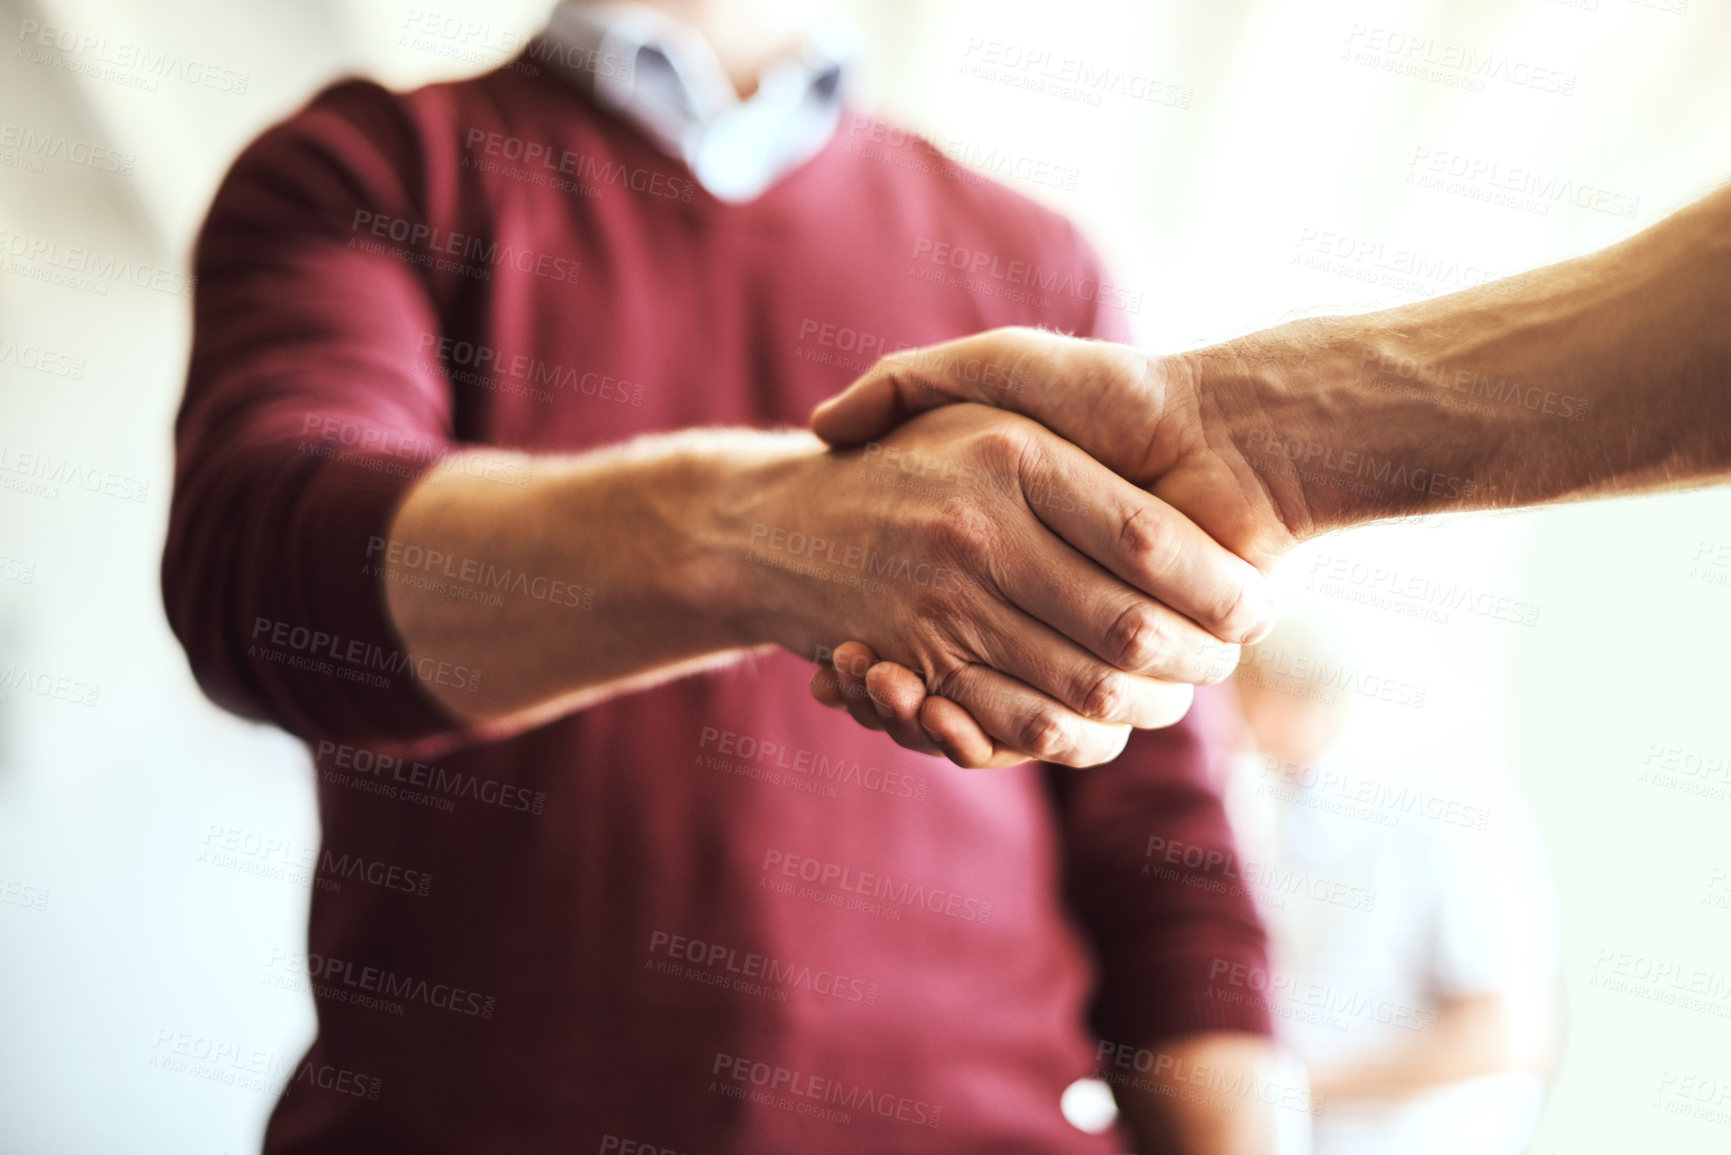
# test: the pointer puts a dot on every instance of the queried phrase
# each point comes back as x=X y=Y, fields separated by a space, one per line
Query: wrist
x=739 y=492
x=1344 y=421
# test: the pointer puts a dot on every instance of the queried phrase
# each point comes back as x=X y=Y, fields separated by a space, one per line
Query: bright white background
x=1298 y=128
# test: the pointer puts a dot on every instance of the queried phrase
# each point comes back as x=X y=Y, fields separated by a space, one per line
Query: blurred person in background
x=417 y=521
x=1411 y=913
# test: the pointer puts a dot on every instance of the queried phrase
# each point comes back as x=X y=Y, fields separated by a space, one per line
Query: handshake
x=1038 y=542
x=1104 y=530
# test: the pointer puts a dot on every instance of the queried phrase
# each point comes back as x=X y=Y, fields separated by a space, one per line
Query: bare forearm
x=1475 y=1035
x=605 y=572
x=1206 y=1094
x=1609 y=373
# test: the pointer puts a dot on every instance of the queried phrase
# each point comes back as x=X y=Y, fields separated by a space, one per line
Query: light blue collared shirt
x=663 y=77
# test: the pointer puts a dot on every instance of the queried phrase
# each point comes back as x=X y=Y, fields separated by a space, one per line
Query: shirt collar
x=663 y=77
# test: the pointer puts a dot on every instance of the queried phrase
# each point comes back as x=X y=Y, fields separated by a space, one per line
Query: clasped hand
x=1048 y=604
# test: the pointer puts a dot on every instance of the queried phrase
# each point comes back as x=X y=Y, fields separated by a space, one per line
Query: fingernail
x=883 y=709
x=1264 y=624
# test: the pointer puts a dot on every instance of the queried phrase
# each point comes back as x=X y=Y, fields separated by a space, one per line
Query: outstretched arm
x=1606 y=374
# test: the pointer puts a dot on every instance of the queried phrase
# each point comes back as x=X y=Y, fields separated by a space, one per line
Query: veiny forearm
x=604 y=573
x=1608 y=373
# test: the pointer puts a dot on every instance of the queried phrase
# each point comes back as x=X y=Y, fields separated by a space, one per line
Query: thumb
x=906 y=384
x=897 y=388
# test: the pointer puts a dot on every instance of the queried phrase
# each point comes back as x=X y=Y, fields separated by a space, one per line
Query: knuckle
x=1044 y=735
x=1108 y=697
x=1137 y=639
x=963 y=529
x=1006 y=441
x=1151 y=539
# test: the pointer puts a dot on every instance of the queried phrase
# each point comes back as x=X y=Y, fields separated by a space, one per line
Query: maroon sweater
x=714 y=916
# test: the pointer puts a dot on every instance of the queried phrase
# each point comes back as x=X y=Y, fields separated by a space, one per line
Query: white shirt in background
x=1383 y=897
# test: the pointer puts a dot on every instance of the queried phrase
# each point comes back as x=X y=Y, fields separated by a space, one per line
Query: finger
x=986 y=367
x=898 y=692
x=1106 y=396
x=1020 y=718
x=1146 y=542
x=1037 y=656
x=851 y=661
x=1115 y=622
x=961 y=739
x=826 y=688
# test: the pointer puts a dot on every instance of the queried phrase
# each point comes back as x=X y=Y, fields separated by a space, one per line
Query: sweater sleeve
x=310 y=410
x=1151 y=871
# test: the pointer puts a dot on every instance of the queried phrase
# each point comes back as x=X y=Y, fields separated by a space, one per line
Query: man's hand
x=1141 y=415
x=1051 y=600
